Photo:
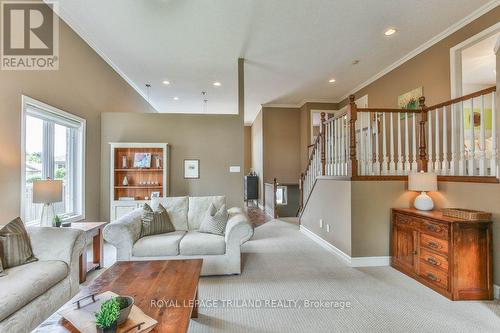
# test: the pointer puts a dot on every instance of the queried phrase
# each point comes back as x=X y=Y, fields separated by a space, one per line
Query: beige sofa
x=30 y=293
x=220 y=254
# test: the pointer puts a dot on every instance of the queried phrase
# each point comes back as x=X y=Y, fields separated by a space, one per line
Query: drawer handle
x=430 y=227
x=432 y=261
x=434 y=245
x=432 y=277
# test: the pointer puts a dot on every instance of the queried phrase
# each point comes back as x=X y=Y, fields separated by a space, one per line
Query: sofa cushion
x=15 y=244
x=198 y=207
x=158 y=245
x=197 y=243
x=155 y=222
x=215 y=221
x=24 y=283
x=177 y=209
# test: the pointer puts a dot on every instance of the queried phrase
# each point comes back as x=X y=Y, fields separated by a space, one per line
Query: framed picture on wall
x=191 y=169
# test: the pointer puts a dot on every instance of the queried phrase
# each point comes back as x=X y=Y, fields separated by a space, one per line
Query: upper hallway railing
x=456 y=139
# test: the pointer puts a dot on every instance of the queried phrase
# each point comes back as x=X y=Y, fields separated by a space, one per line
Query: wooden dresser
x=450 y=255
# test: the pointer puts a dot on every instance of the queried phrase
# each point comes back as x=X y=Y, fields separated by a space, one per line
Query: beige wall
x=281 y=144
x=331 y=202
x=216 y=140
x=257 y=153
x=85 y=86
x=247 y=139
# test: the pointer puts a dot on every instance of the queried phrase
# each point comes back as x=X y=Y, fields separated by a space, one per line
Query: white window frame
x=456 y=58
x=51 y=111
x=284 y=196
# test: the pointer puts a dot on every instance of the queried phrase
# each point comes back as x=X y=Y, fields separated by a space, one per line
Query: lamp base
x=48 y=214
x=423 y=202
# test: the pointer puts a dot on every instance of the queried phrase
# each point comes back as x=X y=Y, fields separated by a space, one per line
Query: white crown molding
x=300 y=104
x=271 y=105
x=351 y=261
x=69 y=20
x=436 y=39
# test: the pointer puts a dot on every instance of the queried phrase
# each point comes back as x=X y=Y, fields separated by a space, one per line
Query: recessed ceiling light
x=390 y=32
x=331 y=80
x=217 y=84
x=166 y=82
x=176 y=98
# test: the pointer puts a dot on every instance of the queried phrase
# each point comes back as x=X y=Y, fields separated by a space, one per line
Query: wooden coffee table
x=167 y=281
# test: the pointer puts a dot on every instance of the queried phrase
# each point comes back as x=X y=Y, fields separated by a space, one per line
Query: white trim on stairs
x=353 y=262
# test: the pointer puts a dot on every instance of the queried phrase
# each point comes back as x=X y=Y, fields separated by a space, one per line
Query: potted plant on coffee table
x=107 y=318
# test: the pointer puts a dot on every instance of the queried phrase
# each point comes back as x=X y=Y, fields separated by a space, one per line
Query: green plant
x=108 y=314
x=57 y=221
x=122 y=302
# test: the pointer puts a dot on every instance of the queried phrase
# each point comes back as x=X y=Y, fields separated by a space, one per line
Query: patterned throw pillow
x=15 y=243
x=155 y=222
x=215 y=221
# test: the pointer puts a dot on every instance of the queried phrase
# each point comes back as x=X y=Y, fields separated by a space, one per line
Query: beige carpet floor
x=282 y=266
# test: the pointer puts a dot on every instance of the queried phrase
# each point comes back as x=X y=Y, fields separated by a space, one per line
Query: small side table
x=93 y=231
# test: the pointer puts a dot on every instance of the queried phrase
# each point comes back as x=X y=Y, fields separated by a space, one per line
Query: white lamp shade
x=422 y=181
x=47 y=191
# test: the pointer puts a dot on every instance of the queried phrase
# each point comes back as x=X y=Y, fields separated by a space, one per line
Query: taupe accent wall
x=247 y=139
x=257 y=153
x=84 y=85
x=216 y=140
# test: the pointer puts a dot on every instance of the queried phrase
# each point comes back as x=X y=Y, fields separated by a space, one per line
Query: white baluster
x=337 y=166
x=414 y=165
x=385 y=160
x=400 y=154
x=369 y=154
x=377 y=157
x=342 y=144
x=362 y=145
x=453 y=164
x=407 y=146
x=437 y=161
x=392 y=163
x=330 y=142
x=445 y=165
x=472 y=141
x=461 y=142
x=430 y=164
x=494 y=154
x=482 y=141
x=346 y=145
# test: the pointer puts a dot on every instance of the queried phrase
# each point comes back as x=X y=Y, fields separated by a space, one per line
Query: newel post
x=422 y=148
x=353 y=116
x=323 y=143
x=301 y=188
x=275 y=201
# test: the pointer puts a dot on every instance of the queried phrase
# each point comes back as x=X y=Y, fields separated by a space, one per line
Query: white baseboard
x=496 y=291
x=353 y=262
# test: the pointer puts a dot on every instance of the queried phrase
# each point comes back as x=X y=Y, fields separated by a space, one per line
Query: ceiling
x=291 y=47
x=479 y=62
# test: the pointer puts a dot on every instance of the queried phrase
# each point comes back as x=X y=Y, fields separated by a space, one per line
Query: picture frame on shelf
x=142 y=160
x=191 y=169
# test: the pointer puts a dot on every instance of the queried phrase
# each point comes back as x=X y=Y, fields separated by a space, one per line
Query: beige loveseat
x=220 y=254
x=30 y=293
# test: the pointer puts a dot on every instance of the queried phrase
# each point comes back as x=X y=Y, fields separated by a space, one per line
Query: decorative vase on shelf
x=125 y=181
x=158 y=162
x=124 y=162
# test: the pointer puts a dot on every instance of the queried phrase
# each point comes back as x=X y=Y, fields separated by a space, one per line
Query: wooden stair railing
x=388 y=143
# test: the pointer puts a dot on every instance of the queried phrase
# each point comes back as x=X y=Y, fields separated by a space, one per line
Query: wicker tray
x=467 y=214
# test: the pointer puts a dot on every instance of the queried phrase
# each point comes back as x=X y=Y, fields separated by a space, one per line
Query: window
x=53 y=147
x=281 y=195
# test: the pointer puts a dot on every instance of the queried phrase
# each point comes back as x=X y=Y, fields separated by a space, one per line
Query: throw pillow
x=215 y=221
x=16 y=245
x=155 y=222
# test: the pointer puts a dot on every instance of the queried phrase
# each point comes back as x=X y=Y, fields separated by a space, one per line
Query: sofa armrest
x=123 y=233
x=238 y=230
x=63 y=244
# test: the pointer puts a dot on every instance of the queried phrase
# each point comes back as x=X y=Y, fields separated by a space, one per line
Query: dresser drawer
x=433 y=259
x=433 y=243
x=435 y=229
x=433 y=275
x=405 y=220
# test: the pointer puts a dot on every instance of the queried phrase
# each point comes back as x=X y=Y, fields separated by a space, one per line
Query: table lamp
x=47 y=192
x=422 y=182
